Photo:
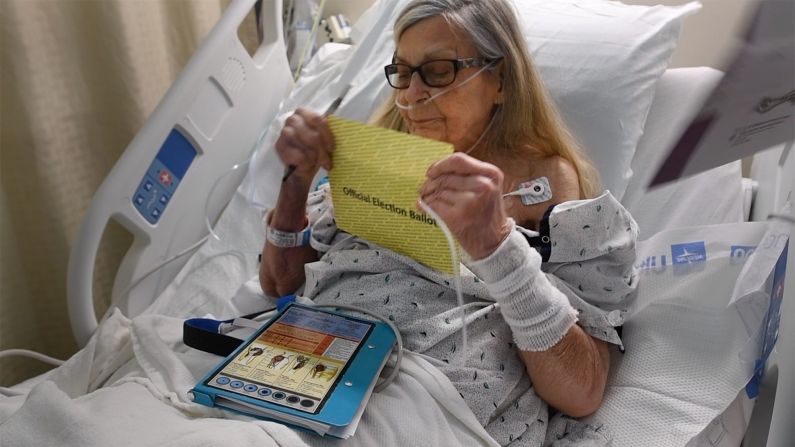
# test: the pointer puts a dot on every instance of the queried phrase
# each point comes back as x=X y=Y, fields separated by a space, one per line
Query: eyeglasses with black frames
x=435 y=73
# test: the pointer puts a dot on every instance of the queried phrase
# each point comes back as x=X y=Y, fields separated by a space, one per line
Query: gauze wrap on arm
x=538 y=314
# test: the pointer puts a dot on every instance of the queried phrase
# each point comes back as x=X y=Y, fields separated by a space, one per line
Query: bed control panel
x=163 y=176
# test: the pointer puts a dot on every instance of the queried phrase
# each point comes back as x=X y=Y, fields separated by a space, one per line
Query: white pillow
x=600 y=60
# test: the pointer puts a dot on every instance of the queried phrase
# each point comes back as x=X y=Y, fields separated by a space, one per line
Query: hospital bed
x=183 y=175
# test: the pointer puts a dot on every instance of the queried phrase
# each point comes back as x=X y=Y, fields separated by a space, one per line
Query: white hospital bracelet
x=285 y=239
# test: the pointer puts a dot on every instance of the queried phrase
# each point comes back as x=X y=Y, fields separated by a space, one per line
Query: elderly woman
x=547 y=276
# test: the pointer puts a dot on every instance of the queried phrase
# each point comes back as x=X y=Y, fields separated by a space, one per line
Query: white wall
x=710 y=36
x=352 y=9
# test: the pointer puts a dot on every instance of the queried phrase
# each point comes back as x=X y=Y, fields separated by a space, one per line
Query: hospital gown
x=588 y=249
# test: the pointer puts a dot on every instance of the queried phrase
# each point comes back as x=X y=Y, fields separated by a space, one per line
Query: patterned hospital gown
x=588 y=249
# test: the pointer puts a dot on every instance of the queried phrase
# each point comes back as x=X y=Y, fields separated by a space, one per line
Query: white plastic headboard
x=179 y=153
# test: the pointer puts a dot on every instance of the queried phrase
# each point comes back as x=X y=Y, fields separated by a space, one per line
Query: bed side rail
x=208 y=121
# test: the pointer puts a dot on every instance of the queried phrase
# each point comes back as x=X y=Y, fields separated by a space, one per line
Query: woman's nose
x=416 y=91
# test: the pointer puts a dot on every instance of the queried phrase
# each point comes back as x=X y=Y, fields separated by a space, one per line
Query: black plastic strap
x=201 y=338
x=203 y=334
x=542 y=243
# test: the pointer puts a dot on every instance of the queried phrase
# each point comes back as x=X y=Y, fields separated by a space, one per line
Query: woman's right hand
x=305 y=142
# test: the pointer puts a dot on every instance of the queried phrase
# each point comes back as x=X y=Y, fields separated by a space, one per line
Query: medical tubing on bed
x=427 y=101
x=538 y=313
x=212 y=192
x=392 y=375
x=182 y=253
x=32 y=354
x=456 y=274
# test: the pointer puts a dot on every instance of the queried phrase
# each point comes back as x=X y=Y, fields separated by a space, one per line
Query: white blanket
x=129 y=387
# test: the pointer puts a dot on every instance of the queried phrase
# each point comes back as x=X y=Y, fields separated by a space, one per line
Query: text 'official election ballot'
x=375 y=186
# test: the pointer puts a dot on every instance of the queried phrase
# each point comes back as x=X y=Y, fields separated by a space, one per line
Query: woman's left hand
x=467 y=194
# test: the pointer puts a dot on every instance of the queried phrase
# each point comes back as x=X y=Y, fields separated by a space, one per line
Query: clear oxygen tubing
x=456 y=274
x=451 y=242
x=32 y=354
x=211 y=232
x=212 y=192
x=399 y=339
x=426 y=101
x=482 y=134
x=10 y=392
x=171 y=259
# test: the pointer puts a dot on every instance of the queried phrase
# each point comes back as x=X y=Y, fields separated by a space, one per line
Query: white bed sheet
x=129 y=383
x=129 y=386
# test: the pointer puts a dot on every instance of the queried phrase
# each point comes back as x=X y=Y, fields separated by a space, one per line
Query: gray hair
x=479 y=18
x=527 y=122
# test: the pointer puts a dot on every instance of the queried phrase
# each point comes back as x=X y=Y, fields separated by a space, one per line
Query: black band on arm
x=542 y=243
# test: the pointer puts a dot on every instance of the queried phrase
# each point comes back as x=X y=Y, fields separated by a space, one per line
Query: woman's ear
x=498 y=99
x=500 y=82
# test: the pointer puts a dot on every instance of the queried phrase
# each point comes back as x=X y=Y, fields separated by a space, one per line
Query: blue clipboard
x=307 y=367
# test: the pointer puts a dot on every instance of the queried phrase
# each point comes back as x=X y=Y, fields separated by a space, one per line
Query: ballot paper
x=375 y=186
x=753 y=107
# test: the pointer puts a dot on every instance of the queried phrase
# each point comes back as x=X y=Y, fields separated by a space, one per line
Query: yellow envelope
x=375 y=186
